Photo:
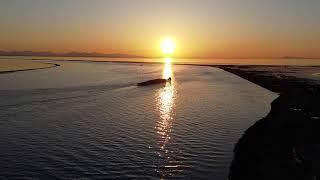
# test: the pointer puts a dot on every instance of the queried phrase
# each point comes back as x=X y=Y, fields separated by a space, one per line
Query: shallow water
x=90 y=120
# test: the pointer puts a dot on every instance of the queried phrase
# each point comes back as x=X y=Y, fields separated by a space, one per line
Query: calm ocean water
x=89 y=120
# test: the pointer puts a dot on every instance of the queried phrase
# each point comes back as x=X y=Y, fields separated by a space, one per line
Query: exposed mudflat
x=284 y=144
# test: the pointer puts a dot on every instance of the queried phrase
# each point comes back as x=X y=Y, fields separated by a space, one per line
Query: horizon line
x=125 y=55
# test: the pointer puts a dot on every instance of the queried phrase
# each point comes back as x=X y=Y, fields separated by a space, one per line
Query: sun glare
x=168 y=46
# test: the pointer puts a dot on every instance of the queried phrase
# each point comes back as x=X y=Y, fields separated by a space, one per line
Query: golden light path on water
x=167 y=69
x=165 y=103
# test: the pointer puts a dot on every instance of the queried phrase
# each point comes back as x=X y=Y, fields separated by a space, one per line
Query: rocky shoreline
x=286 y=143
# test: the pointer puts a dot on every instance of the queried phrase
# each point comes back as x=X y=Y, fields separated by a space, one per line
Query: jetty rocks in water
x=154 y=81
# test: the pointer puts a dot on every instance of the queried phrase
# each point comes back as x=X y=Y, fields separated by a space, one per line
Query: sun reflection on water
x=167 y=71
x=165 y=104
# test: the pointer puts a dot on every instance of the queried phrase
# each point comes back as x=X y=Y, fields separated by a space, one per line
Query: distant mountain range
x=69 y=54
x=298 y=57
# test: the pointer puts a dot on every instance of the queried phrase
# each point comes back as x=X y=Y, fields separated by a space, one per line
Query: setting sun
x=168 y=46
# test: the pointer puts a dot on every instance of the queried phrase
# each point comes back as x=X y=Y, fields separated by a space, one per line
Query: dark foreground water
x=89 y=120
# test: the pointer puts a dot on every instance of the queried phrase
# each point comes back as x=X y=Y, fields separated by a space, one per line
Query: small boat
x=154 y=81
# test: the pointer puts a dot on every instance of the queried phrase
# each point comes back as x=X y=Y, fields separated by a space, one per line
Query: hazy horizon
x=206 y=29
x=123 y=55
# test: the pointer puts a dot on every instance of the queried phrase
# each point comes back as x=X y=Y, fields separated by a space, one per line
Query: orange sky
x=211 y=28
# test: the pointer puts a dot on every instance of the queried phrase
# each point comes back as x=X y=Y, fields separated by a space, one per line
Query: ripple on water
x=186 y=129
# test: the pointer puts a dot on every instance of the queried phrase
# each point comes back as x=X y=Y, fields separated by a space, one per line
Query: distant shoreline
x=173 y=63
x=177 y=61
x=218 y=65
x=30 y=69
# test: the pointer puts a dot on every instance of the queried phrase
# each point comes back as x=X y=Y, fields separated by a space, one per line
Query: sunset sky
x=200 y=28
